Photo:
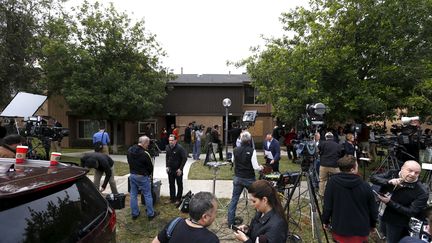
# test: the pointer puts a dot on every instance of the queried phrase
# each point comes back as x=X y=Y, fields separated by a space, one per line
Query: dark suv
x=42 y=203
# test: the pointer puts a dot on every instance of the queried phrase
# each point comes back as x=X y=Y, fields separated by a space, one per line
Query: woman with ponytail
x=269 y=224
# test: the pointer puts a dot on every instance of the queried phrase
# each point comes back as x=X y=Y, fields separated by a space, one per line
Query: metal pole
x=226 y=133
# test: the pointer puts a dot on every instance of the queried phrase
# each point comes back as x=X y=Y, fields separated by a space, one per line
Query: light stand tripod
x=315 y=214
x=215 y=166
x=391 y=161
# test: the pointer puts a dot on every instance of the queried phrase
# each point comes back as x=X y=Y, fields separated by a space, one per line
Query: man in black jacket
x=188 y=138
x=404 y=197
x=329 y=152
x=349 y=204
x=141 y=168
x=102 y=163
x=175 y=161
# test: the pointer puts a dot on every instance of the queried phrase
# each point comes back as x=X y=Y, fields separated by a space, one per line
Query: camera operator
x=406 y=197
x=329 y=152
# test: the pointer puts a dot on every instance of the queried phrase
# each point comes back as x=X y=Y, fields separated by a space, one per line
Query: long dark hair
x=263 y=188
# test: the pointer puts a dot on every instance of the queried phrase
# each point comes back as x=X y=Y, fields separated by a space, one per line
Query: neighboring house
x=190 y=97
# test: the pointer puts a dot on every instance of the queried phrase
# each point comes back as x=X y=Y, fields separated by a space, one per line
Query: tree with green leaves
x=21 y=31
x=362 y=58
x=109 y=69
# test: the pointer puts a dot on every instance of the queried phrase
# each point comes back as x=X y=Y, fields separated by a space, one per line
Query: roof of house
x=210 y=79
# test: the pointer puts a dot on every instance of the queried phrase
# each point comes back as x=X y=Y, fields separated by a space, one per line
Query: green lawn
x=199 y=171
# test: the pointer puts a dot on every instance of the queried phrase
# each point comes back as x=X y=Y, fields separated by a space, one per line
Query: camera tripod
x=391 y=161
x=315 y=213
x=221 y=228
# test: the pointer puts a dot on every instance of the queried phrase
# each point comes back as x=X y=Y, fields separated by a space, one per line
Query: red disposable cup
x=55 y=158
x=21 y=153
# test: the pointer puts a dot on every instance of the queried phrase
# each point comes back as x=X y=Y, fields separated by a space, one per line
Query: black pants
x=275 y=165
x=172 y=179
x=290 y=148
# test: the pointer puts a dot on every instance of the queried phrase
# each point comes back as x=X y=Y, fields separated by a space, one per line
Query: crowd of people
x=352 y=207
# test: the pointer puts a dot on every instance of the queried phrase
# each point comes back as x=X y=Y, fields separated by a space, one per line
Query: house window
x=86 y=128
x=147 y=128
x=251 y=95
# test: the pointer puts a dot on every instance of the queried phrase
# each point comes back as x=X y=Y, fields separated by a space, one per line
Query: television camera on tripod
x=36 y=127
x=289 y=182
x=25 y=105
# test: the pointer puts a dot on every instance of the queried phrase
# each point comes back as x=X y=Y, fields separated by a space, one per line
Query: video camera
x=306 y=150
x=37 y=127
x=306 y=147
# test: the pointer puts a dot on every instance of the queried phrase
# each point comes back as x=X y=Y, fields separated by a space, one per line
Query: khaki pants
x=97 y=178
x=324 y=176
x=105 y=149
x=55 y=146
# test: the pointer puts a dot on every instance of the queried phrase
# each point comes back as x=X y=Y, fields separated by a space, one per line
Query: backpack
x=171 y=227
x=184 y=205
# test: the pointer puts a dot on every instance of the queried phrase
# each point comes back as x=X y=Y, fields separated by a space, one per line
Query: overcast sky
x=201 y=35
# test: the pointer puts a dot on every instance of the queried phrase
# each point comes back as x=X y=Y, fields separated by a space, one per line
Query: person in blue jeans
x=245 y=163
x=141 y=168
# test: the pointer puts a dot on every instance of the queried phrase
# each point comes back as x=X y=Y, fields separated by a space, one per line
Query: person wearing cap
x=102 y=163
x=329 y=152
x=8 y=148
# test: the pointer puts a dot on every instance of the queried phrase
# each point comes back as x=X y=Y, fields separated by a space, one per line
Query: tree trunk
x=115 y=136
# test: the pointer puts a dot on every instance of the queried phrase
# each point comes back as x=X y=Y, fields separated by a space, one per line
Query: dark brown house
x=190 y=97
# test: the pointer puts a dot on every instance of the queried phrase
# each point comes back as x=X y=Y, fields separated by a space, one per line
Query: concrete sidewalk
x=223 y=188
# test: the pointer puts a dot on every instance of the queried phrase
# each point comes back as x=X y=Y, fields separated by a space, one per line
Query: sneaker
x=155 y=214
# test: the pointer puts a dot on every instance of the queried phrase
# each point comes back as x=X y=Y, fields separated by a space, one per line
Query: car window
x=53 y=215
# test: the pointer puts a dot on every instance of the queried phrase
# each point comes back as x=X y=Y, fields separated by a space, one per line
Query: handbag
x=98 y=146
